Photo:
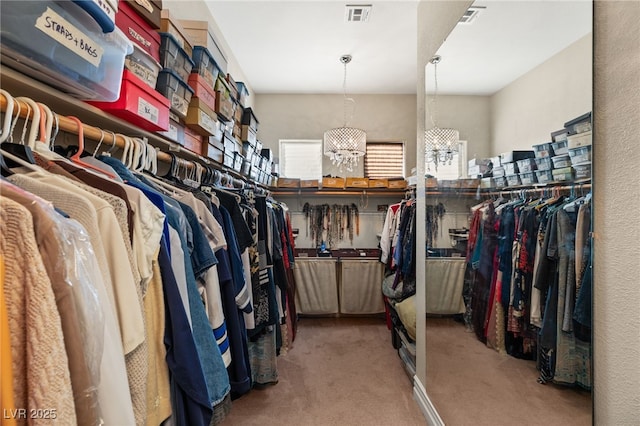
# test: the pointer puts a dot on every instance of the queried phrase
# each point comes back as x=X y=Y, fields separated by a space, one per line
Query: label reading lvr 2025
x=67 y=34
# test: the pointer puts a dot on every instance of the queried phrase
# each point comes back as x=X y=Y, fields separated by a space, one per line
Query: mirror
x=507 y=220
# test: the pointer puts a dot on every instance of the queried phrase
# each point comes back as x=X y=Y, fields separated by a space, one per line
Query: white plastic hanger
x=35 y=122
x=8 y=115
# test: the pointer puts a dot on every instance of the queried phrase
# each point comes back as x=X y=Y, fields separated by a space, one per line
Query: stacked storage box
x=89 y=69
x=139 y=102
x=251 y=146
x=478 y=167
x=510 y=162
x=579 y=144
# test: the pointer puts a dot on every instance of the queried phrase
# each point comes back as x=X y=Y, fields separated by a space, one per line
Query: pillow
x=407 y=312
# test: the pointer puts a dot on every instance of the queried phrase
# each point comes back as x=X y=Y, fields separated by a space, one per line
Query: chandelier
x=441 y=145
x=345 y=145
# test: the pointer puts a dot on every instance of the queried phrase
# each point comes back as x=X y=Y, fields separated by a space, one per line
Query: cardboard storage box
x=282 y=182
x=149 y=10
x=213 y=152
x=397 y=184
x=202 y=90
x=199 y=35
x=201 y=119
x=176 y=129
x=309 y=183
x=329 y=182
x=378 y=183
x=168 y=24
x=449 y=184
x=469 y=183
x=249 y=135
x=357 y=182
x=192 y=140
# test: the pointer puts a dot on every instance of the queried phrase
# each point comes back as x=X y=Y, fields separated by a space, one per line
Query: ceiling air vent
x=470 y=14
x=357 y=13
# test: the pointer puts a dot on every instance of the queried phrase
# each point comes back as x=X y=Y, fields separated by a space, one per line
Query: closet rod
x=575 y=186
x=67 y=125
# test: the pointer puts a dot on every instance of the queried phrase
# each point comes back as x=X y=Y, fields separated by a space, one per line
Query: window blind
x=384 y=160
x=301 y=159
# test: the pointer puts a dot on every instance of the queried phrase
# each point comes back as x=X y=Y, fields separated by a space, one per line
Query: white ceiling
x=295 y=46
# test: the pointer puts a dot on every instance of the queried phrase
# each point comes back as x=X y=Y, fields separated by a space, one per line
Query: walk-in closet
x=319 y=212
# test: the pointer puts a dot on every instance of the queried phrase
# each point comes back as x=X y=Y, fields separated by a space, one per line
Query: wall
x=199 y=11
x=471 y=116
x=616 y=206
x=522 y=115
x=383 y=117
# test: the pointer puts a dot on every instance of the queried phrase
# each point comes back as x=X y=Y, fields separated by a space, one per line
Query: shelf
x=372 y=192
x=95 y=119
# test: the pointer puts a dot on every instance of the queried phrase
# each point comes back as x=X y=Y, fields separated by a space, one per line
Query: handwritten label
x=172 y=133
x=207 y=122
x=67 y=34
x=179 y=104
x=148 y=111
x=147 y=75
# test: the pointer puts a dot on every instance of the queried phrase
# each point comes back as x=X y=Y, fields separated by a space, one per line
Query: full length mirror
x=508 y=270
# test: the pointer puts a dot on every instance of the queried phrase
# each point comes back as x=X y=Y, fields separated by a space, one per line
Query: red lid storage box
x=139 y=104
x=138 y=30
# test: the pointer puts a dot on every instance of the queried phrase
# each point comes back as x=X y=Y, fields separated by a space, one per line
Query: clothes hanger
x=76 y=157
x=22 y=149
x=8 y=116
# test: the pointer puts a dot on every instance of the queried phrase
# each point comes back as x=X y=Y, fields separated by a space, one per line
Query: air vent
x=357 y=13
x=471 y=14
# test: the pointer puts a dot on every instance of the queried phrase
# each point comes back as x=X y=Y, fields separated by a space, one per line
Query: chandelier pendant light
x=345 y=145
x=441 y=145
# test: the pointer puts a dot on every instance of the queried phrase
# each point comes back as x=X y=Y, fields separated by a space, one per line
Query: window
x=384 y=160
x=456 y=170
x=301 y=159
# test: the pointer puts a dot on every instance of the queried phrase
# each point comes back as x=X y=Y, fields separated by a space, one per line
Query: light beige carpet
x=471 y=384
x=341 y=371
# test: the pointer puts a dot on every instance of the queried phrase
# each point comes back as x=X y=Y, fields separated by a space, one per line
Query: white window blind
x=301 y=159
x=384 y=160
x=456 y=170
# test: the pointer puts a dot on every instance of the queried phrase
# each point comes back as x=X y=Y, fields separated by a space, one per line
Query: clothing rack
x=575 y=186
x=109 y=138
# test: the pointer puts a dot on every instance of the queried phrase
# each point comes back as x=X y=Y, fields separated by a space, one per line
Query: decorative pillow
x=407 y=312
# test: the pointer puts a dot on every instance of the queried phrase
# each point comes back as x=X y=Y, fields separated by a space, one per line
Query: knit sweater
x=41 y=374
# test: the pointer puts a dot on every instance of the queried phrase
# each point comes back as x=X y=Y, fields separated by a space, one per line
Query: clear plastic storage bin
x=561 y=147
x=174 y=57
x=176 y=90
x=143 y=65
x=81 y=61
x=580 y=155
x=543 y=150
x=582 y=171
x=544 y=176
x=513 y=180
x=528 y=178
x=527 y=165
x=544 y=163
x=205 y=65
x=561 y=161
x=563 y=174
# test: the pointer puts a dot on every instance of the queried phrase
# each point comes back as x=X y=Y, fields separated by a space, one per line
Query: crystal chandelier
x=345 y=145
x=440 y=144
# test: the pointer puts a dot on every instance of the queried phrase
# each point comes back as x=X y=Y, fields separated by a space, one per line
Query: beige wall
x=616 y=207
x=383 y=117
x=471 y=116
x=197 y=10
x=529 y=109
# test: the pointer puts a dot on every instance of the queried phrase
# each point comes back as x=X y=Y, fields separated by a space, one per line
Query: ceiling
x=295 y=46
